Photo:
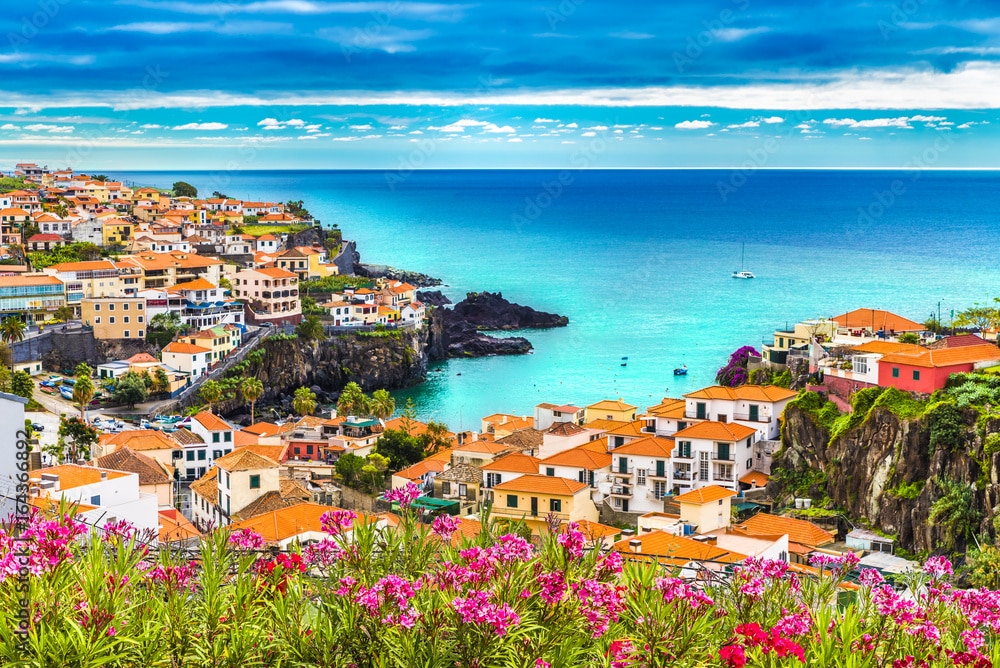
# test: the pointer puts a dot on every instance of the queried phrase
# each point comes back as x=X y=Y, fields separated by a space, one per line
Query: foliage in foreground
x=368 y=596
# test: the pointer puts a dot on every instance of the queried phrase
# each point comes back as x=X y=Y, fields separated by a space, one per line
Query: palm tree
x=252 y=390
x=12 y=330
x=382 y=405
x=352 y=400
x=304 y=401
x=437 y=436
x=83 y=390
x=311 y=329
x=210 y=392
x=64 y=313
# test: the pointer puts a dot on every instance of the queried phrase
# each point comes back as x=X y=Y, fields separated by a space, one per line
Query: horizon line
x=562 y=168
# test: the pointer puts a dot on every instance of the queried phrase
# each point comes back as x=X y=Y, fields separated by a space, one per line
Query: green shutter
x=623 y=464
x=754 y=413
x=660 y=467
x=723 y=451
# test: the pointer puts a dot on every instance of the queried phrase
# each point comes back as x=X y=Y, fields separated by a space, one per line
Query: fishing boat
x=681 y=370
x=742 y=272
x=66 y=391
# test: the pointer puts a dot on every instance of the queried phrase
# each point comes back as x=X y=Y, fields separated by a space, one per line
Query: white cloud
x=514 y=140
x=151 y=126
x=464 y=124
x=864 y=138
x=416 y=132
x=270 y=123
x=306 y=137
x=201 y=126
x=599 y=128
x=388 y=38
x=772 y=120
x=397 y=127
x=48 y=127
x=627 y=34
x=10 y=126
x=736 y=34
x=589 y=134
x=693 y=125
x=928 y=119
x=572 y=126
x=346 y=138
x=361 y=128
x=221 y=27
x=295 y=122
x=748 y=124
x=545 y=120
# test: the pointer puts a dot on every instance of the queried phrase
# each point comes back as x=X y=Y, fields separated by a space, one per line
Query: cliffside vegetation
x=925 y=471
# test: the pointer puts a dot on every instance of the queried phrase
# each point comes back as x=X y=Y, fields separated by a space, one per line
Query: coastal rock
x=491 y=312
x=457 y=338
x=883 y=472
x=432 y=298
x=383 y=271
x=307 y=237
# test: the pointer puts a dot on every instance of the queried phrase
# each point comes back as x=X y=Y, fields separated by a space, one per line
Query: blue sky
x=253 y=84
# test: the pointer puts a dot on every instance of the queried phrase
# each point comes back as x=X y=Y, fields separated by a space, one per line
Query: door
x=754 y=413
x=700 y=411
x=534 y=506
x=623 y=464
x=624 y=505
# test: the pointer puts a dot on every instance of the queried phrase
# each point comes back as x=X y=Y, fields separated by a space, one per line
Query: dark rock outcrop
x=882 y=472
x=383 y=271
x=491 y=312
x=432 y=298
x=456 y=338
x=307 y=237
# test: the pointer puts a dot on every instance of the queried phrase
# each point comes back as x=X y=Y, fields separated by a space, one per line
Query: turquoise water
x=641 y=262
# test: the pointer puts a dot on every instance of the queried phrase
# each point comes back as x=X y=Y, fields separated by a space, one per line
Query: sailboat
x=743 y=273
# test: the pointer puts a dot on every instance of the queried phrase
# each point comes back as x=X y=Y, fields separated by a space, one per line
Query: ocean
x=641 y=262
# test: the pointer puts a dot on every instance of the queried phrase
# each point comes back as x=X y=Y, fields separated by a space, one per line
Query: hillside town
x=682 y=482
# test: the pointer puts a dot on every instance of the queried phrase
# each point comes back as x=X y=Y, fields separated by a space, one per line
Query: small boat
x=66 y=391
x=743 y=273
x=681 y=370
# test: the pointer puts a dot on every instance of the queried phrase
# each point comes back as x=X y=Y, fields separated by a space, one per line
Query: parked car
x=37 y=427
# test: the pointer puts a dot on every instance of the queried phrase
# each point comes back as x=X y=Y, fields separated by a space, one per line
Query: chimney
x=711 y=540
x=635 y=545
x=104 y=475
x=52 y=479
x=627 y=533
x=461 y=437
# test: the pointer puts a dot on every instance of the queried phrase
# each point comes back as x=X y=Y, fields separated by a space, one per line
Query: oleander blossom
x=600 y=604
x=246 y=540
x=404 y=496
x=572 y=541
x=445 y=525
x=552 y=586
x=122 y=529
x=476 y=608
x=336 y=522
x=938 y=567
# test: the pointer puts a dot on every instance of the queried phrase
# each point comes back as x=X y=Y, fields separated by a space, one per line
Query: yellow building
x=610 y=410
x=164 y=270
x=115 y=317
x=116 y=231
x=244 y=477
x=706 y=508
x=798 y=337
x=220 y=341
x=537 y=496
x=305 y=262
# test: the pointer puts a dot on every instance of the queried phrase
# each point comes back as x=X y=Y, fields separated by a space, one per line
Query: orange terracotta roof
x=799 y=531
x=196 y=284
x=184 y=348
x=876 y=319
x=142 y=358
x=481 y=445
x=421 y=469
x=649 y=446
x=669 y=408
x=212 y=422
x=175 y=527
x=542 y=484
x=19 y=281
x=442 y=455
x=594 y=530
x=155 y=261
x=273 y=452
x=244 y=459
x=945 y=357
x=663 y=544
x=757 y=478
x=708 y=494
x=766 y=393
x=207 y=486
x=612 y=405
x=242 y=439
x=263 y=429
x=564 y=429
x=605 y=425
x=72 y=475
x=515 y=463
x=50 y=505
x=716 y=431
x=149 y=470
x=886 y=347
x=632 y=429
x=274 y=272
x=140 y=440
x=289 y=522
x=581 y=458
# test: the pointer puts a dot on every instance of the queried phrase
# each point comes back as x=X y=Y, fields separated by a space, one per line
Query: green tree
x=65 y=313
x=304 y=401
x=400 y=448
x=21 y=384
x=984 y=566
x=217 y=195
x=77 y=438
x=352 y=400
x=130 y=390
x=908 y=337
x=100 y=177
x=310 y=329
x=297 y=209
x=210 y=392
x=250 y=220
x=83 y=390
x=251 y=389
x=184 y=189
x=978 y=316
x=161 y=380
x=225 y=283
x=955 y=512
x=349 y=467
x=409 y=415
x=382 y=405
x=12 y=330
x=932 y=324
x=373 y=472
x=437 y=438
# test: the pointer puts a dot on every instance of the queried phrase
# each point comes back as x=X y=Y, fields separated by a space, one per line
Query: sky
x=255 y=84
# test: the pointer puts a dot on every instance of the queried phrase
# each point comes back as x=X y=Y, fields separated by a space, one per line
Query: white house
x=215 y=432
x=711 y=452
x=756 y=406
x=640 y=475
x=105 y=495
x=413 y=313
x=187 y=358
x=548 y=414
x=268 y=243
x=563 y=436
x=507 y=468
x=590 y=464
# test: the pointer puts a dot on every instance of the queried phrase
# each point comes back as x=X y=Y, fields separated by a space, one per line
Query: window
x=859 y=365
x=492 y=479
x=201 y=455
x=623 y=464
x=255 y=482
x=139 y=319
x=124 y=307
x=895 y=372
x=550 y=471
x=190 y=455
x=228 y=436
x=660 y=468
x=309 y=449
x=95 y=500
x=555 y=505
x=138 y=307
x=216 y=454
x=97 y=320
x=215 y=437
x=512 y=500
x=139 y=334
x=125 y=319
x=111 y=307
x=754 y=413
x=445 y=488
x=703 y=465
x=660 y=489
x=699 y=410
x=916 y=375
x=640 y=476
x=111 y=320
x=463 y=489
x=126 y=334
x=97 y=307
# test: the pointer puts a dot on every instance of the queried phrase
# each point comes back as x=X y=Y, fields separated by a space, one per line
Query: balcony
x=745 y=417
x=655 y=496
x=623 y=474
x=621 y=492
x=723 y=478
x=680 y=455
x=682 y=475
x=723 y=456
x=653 y=475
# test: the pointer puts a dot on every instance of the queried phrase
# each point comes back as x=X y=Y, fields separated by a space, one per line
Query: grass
x=259 y=230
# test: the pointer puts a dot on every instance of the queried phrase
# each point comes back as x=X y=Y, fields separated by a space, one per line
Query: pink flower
x=335 y=522
x=553 y=586
x=870 y=577
x=600 y=604
x=572 y=540
x=404 y=496
x=938 y=567
x=542 y=663
x=733 y=656
x=111 y=631
x=445 y=525
x=476 y=608
x=610 y=564
x=246 y=540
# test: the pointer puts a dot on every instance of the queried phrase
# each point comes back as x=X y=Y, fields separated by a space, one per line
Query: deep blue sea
x=641 y=261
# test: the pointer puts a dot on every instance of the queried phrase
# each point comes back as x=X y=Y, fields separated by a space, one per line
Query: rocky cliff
x=490 y=311
x=394 y=360
x=884 y=470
